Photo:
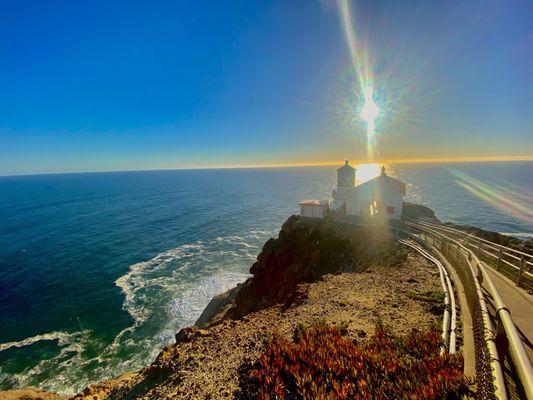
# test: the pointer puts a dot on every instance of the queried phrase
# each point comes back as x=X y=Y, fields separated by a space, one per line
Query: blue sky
x=116 y=85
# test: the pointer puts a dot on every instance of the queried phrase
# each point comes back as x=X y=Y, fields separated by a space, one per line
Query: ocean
x=98 y=271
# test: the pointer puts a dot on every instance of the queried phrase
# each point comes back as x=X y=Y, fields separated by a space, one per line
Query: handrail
x=516 y=347
x=488 y=330
x=449 y=335
x=522 y=270
x=463 y=233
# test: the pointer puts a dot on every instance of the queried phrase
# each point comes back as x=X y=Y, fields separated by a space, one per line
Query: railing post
x=521 y=270
x=479 y=247
x=500 y=254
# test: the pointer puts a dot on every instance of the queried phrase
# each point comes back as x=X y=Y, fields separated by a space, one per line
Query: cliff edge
x=304 y=251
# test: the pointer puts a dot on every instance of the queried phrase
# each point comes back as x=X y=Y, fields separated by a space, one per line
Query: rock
x=202 y=333
x=418 y=211
x=217 y=307
x=186 y=334
x=303 y=252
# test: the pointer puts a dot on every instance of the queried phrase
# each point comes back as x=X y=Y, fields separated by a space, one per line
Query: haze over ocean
x=99 y=270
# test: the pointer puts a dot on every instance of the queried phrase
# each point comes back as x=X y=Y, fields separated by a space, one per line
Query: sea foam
x=162 y=295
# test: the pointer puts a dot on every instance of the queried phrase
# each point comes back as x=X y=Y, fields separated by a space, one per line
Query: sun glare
x=367 y=171
x=370 y=110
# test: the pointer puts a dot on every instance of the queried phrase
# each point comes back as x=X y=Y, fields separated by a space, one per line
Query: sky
x=125 y=85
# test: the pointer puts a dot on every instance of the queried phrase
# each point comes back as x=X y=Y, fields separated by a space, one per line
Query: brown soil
x=206 y=364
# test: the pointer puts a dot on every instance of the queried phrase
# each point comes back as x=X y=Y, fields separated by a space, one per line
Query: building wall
x=311 y=211
x=359 y=199
x=346 y=176
x=339 y=196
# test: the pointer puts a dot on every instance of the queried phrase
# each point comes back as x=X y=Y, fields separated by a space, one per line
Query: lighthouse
x=345 y=183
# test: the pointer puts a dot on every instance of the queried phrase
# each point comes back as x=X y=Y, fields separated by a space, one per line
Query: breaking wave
x=161 y=295
x=62 y=338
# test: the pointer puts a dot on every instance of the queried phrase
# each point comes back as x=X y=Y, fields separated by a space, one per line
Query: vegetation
x=322 y=364
x=434 y=300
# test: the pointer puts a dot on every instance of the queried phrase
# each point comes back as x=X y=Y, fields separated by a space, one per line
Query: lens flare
x=367 y=171
x=511 y=202
x=396 y=108
x=369 y=111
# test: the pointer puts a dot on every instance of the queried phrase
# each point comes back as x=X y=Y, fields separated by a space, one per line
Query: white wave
x=523 y=235
x=134 y=280
x=188 y=305
x=63 y=338
x=161 y=295
x=62 y=365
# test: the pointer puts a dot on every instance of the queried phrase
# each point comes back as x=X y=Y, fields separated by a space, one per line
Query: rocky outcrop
x=504 y=240
x=304 y=251
x=217 y=307
x=207 y=364
x=418 y=211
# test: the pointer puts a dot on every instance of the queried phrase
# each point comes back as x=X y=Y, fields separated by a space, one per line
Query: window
x=390 y=210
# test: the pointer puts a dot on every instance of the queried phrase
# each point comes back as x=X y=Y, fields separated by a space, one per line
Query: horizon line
x=435 y=160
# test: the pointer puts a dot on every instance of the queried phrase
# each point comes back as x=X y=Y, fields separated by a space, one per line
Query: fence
x=514 y=263
x=471 y=271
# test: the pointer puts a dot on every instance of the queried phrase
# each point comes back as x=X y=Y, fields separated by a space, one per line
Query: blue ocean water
x=99 y=270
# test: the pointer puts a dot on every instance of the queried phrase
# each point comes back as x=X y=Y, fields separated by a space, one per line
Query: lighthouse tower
x=345 y=183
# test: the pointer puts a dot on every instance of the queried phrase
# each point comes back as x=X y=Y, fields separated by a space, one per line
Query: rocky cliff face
x=418 y=211
x=304 y=251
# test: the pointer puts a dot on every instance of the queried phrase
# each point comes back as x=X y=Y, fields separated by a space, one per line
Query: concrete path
x=519 y=303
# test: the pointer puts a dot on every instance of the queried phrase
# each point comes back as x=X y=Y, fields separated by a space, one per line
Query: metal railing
x=449 y=319
x=476 y=273
x=515 y=264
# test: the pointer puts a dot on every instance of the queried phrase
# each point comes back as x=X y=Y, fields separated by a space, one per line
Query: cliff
x=304 y=251
x=322 y=270
x=418 y=211
x=347 y=276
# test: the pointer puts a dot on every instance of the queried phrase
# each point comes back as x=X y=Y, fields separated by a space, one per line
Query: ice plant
x=322 y=364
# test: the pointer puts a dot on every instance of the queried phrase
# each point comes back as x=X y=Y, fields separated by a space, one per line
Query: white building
x=378 y=199
x=381 y=197
x=313 y=208
x=345 y=184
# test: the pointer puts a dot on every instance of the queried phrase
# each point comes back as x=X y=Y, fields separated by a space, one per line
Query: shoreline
x=223 y=313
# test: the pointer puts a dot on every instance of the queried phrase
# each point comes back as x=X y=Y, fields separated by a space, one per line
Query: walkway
x=520 y=304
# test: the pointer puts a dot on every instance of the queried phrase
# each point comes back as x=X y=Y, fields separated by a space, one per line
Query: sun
x=370 y=110
x=367 y=171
